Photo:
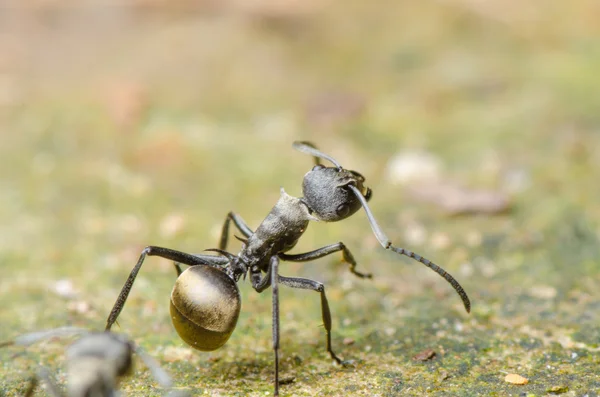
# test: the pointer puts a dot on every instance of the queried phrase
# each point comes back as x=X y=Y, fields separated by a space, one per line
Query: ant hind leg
x=303 y=283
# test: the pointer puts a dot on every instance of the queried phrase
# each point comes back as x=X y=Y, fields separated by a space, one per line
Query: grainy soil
x=146 y=122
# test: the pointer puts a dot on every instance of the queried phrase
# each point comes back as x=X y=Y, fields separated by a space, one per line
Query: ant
x=95 y=361
x=205 y=301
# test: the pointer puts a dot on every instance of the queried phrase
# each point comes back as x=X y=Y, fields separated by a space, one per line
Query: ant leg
x=303 y=283
x=43 y=375
x=177 y=268
x=161 y=376
x=210 y=259
x=239 y=223
x=387 y=244
x=167 y=253
x=324 y=251
x=261 y=283
x=274 y=284
x=33 y=382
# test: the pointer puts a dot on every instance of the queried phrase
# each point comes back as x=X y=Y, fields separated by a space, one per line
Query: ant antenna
x=243 y=240
x=308 y=148
x=387 y=244
x=33 y=337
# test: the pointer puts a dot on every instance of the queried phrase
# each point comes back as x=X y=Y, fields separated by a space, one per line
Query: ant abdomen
x=205 y=306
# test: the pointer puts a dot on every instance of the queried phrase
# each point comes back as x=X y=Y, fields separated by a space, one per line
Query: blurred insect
x=205 y=301
x=95 y=362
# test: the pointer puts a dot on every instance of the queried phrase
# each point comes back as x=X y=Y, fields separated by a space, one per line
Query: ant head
x=327 y=194
x=331 y=193
x=113 y=348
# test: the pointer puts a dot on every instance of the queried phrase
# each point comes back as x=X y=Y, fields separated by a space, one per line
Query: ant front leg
x=324 y=251
x=239 y=223
x=44 y=375
x=33 y=382
x=167 y=253
x=303 y=283
x=260 y=283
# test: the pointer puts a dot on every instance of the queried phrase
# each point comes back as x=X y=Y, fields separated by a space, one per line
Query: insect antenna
x=33 y=337
x=243 y=240
x=309 y=148
x=387 y=244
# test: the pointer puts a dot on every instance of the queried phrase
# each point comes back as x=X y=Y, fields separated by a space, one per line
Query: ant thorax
x=278 y=232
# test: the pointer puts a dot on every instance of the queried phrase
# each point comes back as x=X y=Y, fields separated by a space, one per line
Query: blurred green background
x=125 y=124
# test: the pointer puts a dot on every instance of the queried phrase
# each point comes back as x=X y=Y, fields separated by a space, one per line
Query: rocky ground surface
x=476 y=125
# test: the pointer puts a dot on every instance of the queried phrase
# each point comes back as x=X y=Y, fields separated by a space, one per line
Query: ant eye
x=318 y=167
x=342 y=210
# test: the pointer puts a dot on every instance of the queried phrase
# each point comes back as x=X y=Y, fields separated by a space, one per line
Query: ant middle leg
x=274 y=264
x=33 y=382
x=324 y=251
x=43 y=375
x=304 y=283
x=239 y=223
x=260 y=283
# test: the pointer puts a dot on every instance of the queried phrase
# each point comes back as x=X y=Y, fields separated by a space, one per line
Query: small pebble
x=516 y=379
x=543 y=291
x=558 y=389
x=424 y=355
x=443 y=375
x=456 y=199
x=287 y=380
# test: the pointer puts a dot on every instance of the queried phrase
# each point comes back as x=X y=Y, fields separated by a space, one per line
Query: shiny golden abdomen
x=205 y=306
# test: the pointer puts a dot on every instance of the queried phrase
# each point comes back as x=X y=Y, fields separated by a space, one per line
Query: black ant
x=205 y=301
x=96 y=361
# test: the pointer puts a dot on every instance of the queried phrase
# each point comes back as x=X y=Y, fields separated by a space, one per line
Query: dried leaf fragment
x=286 y=380
x=424 y=355
x=558 y=389
x=443 y=375
x=456 y=199
x=516 y=379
